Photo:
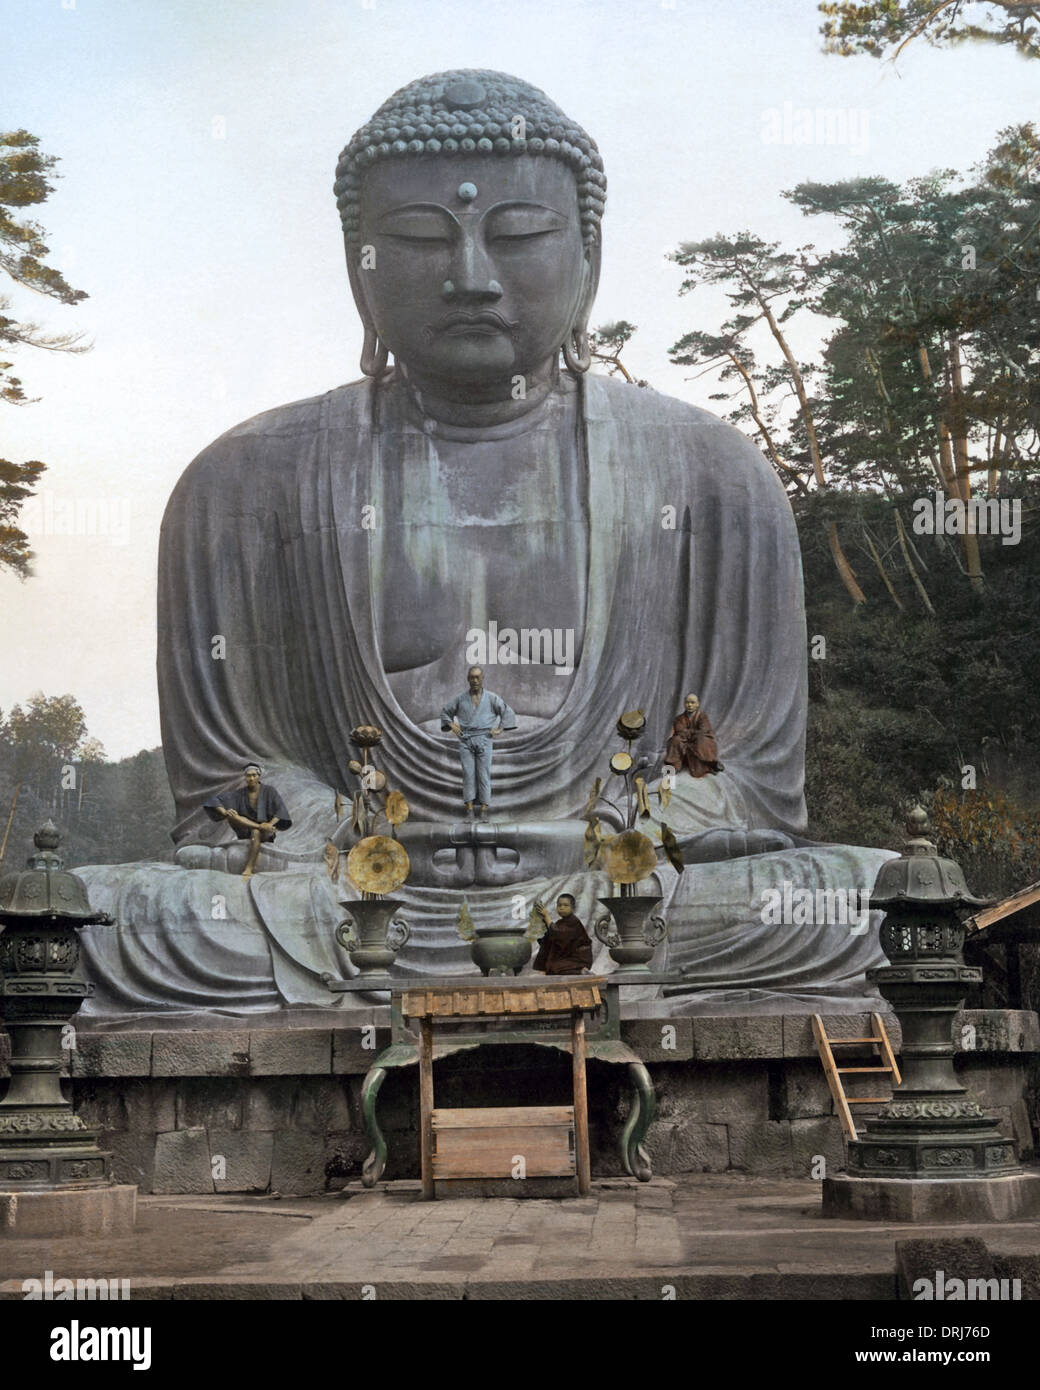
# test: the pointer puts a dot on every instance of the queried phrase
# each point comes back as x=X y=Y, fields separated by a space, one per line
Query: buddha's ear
x=589 y=286
x=356 y=287
x=373 y=353
x=576 y=352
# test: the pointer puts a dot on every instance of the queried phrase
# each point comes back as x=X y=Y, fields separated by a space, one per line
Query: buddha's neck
x=475 y=405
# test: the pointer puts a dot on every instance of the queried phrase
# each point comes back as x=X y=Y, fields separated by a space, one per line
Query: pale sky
x=198 y=141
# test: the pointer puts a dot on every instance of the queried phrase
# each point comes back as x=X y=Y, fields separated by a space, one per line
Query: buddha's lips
x=482 y=321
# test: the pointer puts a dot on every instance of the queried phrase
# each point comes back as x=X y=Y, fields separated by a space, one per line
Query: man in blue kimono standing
x=476 y=717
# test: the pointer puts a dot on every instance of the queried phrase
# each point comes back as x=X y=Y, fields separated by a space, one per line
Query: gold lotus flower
x=378 y=864
x=631 y=724
x=366 y=736
x=629 y=857
x=621 y=763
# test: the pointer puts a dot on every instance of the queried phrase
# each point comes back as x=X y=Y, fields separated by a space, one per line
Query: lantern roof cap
x=921 y=874
x=44 y=888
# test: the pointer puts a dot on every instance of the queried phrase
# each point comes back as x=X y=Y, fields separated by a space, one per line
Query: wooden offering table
x=578 y=1014
x=536 y=1141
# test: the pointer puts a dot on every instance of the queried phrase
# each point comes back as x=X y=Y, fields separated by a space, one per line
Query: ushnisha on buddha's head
x=471 y=213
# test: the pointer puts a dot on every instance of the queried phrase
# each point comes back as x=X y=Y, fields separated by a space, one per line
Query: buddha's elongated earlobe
x=576 y=350
x=374 y=353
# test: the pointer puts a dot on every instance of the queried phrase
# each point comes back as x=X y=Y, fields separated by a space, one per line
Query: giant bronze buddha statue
x=327 y=563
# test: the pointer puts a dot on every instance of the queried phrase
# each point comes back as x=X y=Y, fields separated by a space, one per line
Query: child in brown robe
x=566 y=947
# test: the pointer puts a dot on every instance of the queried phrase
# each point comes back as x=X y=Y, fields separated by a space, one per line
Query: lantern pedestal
x=69 y=1211
x=932 y=1201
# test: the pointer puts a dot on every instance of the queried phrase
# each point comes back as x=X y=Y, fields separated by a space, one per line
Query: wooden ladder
x=834 y=1073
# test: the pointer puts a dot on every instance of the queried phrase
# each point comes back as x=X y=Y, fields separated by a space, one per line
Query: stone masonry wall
x=278 y=1110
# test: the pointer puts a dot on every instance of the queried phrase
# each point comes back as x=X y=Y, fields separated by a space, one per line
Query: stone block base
x=932 y=1201
x=219 y=1107
x=68 y=1211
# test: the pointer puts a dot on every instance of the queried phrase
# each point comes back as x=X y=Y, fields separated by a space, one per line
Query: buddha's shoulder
x=303 y=417
x=273 y=436
x=689 y=440
x=610 y=397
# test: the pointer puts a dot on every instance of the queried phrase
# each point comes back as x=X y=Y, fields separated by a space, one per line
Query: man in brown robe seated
x=566 y=947
x=692 y=745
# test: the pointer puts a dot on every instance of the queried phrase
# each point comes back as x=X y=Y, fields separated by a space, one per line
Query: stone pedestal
x=70 y=1211
x=932 y=1201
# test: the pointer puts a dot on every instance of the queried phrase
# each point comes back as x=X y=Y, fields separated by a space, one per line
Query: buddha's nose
x=470 y=276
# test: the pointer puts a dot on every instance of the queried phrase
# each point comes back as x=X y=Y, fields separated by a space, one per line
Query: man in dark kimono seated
x=253 y=811
x=566 y=947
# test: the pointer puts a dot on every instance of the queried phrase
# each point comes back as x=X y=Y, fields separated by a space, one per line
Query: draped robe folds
x=268 y=649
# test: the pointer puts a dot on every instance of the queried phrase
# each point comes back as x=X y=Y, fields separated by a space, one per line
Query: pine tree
x=24 y=181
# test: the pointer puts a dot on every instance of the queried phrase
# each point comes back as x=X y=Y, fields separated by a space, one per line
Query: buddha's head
x=471 y=215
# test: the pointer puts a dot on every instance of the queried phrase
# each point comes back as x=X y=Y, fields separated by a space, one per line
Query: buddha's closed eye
x=513 y=222
x=520 y=223
x=414 y=224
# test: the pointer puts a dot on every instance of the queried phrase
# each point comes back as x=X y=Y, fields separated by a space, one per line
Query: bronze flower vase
x=374 y=936
x=638 y=933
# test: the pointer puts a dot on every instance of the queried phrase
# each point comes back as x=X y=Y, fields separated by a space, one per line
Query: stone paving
x=708 y=1236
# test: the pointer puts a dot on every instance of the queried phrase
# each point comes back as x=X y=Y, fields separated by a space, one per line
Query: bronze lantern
x=932 y=1127
x=43 y=1143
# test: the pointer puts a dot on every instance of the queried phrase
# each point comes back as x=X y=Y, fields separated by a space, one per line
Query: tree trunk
x=954 y=477
x=900 y=532
x=994 y=457
x=848 y=578
x=763 y=428
x=959 y=421
x=947 y=473
x=881 y=570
